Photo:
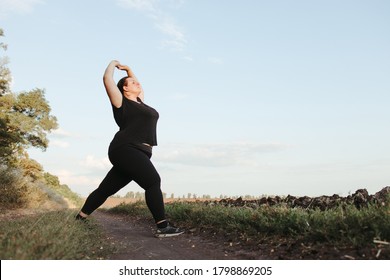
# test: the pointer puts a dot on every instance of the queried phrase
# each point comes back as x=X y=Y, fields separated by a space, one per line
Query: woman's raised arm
x=111 y=88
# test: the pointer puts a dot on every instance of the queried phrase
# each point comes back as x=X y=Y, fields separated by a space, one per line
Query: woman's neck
x=132 y=97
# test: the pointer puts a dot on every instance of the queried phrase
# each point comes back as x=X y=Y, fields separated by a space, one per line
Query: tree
x=5 y=75
x=32 y=168
x=25 y=121
x=139 y=195
x=130 y=194
x=25 y=118
x=5 y=81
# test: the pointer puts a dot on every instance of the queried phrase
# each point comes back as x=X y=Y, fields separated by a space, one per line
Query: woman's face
x=132 y=86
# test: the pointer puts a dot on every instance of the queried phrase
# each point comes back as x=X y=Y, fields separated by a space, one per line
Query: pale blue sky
x=255 y=97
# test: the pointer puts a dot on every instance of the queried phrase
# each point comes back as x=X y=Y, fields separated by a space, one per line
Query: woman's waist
x=125 y=136
x=143 y=146
x=134 y=143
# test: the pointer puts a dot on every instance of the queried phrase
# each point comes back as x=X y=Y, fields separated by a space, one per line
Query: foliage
x=14 y=188
x=5 y=75
x=63 y=190
x=20 y=191
x=25 y=120
x=136 y=209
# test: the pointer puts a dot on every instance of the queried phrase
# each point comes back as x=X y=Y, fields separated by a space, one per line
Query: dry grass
x=51 y=236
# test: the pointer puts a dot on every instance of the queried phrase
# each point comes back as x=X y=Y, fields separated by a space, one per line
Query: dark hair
x=121 y=84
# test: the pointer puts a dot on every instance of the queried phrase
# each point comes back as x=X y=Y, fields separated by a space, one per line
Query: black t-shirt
x=137 y=124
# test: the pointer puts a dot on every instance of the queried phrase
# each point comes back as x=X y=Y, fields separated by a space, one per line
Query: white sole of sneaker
x=162 y=235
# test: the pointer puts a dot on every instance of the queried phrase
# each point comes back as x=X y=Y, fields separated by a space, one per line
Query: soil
x=134 y=240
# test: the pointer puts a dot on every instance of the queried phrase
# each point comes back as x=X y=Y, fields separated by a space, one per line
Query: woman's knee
x=156 y=183
x=151 y=183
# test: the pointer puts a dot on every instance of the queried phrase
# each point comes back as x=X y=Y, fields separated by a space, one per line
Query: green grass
x=343 y=225
x=51 y=236
x=57 y=236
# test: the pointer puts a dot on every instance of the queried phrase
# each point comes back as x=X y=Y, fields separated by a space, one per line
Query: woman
x=131 y=149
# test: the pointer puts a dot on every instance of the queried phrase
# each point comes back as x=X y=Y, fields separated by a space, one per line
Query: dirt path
x=134 y=240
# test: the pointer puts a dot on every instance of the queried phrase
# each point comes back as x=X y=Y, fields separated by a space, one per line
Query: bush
x=14 y=188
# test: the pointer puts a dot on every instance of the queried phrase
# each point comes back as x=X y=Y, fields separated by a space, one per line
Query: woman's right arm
x=111 y=88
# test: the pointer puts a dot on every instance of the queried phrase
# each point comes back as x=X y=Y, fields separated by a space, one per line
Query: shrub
x=14 y=188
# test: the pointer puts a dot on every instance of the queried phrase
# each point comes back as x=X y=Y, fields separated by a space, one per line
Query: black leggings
x=129 y=164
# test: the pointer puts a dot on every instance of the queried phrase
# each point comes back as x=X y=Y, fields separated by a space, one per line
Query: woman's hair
x=121 y=83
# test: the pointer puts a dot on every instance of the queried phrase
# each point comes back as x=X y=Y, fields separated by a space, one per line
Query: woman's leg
x=137 y=165
x=112 y=183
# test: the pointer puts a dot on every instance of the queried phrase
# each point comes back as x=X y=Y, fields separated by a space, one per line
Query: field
x=326 y=227
x=353 y=227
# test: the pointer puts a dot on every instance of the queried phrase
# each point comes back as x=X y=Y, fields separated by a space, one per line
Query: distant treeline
x=141 y=196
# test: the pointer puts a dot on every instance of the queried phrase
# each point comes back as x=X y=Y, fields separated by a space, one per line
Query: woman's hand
x=127 y=69
x=129 y=74
x=122 y=67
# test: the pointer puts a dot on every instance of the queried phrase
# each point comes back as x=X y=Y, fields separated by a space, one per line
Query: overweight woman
x=131 y=149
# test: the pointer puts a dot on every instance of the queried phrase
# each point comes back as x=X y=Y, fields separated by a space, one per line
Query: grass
x=51 y=236
x=57 y=236
x=342 y=225
x=48 y=236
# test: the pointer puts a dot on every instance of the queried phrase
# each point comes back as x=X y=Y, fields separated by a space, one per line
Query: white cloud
x=176 y=3
x=242 y=153
x=96 y=163
x=139 y=5
x=57 y=138
x=61 y=133
x=9 y=7
x=72 y=179
x=59 y=143
x=175 y=38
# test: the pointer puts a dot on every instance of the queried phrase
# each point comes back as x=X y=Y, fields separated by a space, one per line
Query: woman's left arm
x=131 y=74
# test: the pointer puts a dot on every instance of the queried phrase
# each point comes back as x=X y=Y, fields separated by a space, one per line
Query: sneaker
x=168 y=231
x=81 y=218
